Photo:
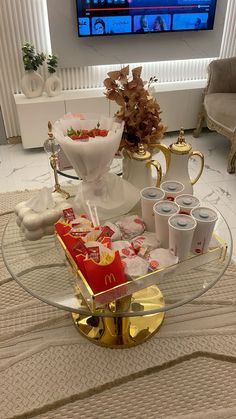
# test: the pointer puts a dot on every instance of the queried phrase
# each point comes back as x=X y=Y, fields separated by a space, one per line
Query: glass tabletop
x=42 y=269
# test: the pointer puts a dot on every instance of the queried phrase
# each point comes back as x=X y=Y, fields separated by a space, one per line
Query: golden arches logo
x=109 y=278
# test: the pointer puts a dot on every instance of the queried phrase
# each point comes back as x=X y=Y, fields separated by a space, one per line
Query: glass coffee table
x=42 y=269
x=69 y=173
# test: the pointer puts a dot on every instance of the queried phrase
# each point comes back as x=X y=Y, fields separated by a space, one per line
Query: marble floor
x=29 y=169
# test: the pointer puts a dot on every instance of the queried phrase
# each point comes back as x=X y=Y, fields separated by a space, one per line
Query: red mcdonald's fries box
x=69 y=241
x=100 y=277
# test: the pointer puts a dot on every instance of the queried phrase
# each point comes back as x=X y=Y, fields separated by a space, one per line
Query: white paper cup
x=206 y=219
x=163 y=210
x=186 y=203
x=181 y=231
x=149 y=196
x=172 y=189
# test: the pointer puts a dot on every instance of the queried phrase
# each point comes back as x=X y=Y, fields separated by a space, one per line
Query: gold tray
x=217 y=251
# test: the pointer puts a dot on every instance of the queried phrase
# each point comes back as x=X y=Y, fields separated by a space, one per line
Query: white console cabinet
x=34 y=114
x=179 y=102
x=33 y=117
x=90 y=100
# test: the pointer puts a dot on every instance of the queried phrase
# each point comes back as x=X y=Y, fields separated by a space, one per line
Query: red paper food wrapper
x=102 y=277
x=94 y=253
x=63 y=229
x=106 y=232
x=69 y=214
x=116 y=233
x=80 y=246
x=80 y=227
x=107 y=242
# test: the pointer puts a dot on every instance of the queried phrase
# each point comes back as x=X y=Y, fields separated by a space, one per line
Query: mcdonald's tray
x=217 y=251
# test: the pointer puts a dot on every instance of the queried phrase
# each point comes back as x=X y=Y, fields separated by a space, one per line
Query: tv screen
x=116 y=17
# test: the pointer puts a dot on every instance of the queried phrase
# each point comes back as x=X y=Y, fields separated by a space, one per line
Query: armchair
x=219 y=104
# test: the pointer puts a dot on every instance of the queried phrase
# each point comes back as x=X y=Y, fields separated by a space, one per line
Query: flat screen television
x=116 y=17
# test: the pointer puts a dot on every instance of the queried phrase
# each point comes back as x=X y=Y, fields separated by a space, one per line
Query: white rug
x=47 y=370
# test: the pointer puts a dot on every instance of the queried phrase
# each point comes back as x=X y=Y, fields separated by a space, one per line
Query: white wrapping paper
x=91 y=160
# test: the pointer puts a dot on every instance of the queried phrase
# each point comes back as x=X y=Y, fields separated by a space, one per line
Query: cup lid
x=172 y=186
x=166 y=208
x=188 y=201
x=152 y=193
x=182 y=222
x=204 y=214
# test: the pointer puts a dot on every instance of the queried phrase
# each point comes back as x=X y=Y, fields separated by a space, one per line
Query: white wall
x=3 y=138
x=75 y=51
x=26 y=20
x=20 y=21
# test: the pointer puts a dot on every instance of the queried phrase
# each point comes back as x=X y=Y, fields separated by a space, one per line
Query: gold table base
x=124 y=332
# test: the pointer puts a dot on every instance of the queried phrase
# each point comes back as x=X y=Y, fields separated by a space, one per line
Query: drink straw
x=93 y=214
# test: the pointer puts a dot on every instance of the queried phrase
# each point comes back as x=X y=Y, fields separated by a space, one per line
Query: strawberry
x=75 y=137
x=91 y=133
x=84 y=134
x=83 y=137
x=96 y=131
x=103 y=132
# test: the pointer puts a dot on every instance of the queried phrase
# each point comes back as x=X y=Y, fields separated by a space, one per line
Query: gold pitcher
x=177 y=157
x=137 y=166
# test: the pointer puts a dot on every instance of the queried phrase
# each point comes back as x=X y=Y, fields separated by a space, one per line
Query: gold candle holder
x=52 y=148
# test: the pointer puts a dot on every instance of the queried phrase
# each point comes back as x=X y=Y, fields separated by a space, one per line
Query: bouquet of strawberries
x=90 y=142
x=85 y=134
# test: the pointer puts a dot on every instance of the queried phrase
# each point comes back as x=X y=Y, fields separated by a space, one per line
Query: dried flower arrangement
x=138 y=108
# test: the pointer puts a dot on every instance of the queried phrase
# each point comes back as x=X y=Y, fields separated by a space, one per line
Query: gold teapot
x=177 y=157
x=137 y=166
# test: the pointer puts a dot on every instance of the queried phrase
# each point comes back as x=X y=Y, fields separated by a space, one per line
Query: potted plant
x=53 y=85
x=32 y=83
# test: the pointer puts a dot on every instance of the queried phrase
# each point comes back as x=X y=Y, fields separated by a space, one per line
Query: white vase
x=32 y=84
x=53 y=85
